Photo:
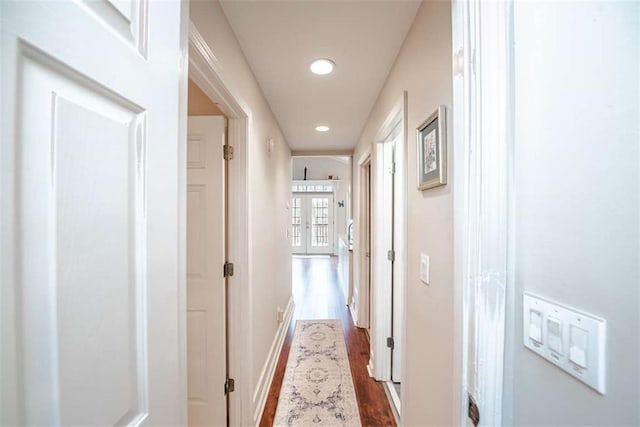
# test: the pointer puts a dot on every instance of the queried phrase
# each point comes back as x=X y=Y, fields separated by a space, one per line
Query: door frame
x=204 y=69
x=380 y=361
x=361 y=301
x=482 y=51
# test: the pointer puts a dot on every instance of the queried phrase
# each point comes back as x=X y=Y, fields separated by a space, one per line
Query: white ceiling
x=280 y=39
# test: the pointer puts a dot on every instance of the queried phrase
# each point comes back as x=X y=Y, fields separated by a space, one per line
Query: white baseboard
x=266 y=376
x=394 y=400
x=370 y=369
x=354 y=313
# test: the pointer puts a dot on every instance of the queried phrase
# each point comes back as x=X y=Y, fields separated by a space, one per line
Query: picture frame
x=432 y=150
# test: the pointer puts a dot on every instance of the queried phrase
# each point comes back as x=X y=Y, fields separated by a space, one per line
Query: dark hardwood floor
x=317 y=295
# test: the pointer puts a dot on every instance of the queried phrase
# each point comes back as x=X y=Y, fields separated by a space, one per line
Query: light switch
x=578 y=339
x=424 y=268
x=554 y=334
x=535 y=326
x=571 y=339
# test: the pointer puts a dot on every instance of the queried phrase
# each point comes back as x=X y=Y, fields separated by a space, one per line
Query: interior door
x=89 y=204
x=206 y=353
x=397 y=297
x=367 y=243
x=382 y=263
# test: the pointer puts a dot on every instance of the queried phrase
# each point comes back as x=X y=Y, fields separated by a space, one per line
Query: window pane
x=320 y=222
x=295 y=222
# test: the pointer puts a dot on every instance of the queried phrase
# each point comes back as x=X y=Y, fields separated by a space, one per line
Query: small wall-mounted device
x=424 y=268
x=572 y=340
x=270 y=145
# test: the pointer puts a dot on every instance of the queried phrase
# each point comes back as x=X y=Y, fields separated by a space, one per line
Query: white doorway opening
x=388 y=255
x=204 y=70
x=363 y=295
x=321 y=211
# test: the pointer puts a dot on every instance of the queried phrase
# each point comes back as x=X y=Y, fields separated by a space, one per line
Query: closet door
x=89 y=195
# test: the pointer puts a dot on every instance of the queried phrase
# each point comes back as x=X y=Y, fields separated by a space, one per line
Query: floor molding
x=354 y=313
x=394 y=400
x=266 y=376
x=370 y=369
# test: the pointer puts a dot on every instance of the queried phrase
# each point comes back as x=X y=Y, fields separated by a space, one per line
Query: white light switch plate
x=424 y=268
x=578 y=348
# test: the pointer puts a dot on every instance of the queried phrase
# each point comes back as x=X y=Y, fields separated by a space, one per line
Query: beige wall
x=423 y=68
x=200 y=104
x=577 y=112
x=269 y=183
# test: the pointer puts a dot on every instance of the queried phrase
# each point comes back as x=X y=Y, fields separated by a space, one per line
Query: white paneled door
x=312 y=224
x=89 y=195
x=206 y=356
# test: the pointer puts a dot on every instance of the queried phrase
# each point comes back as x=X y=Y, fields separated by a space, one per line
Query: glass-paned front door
x=296 y=223
x=320 y=222
x=312 y=223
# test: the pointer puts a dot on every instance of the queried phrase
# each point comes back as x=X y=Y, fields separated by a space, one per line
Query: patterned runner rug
x=317 y=388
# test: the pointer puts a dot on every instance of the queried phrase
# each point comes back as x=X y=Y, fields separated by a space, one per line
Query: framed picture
x=432 y=151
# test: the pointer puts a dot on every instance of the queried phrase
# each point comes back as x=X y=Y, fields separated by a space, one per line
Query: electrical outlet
x=424 y=268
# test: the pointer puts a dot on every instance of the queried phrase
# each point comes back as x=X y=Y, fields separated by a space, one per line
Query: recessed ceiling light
x=322 y=128
x=322 y=66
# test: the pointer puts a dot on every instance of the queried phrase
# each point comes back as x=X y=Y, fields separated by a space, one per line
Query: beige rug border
x=340 y=347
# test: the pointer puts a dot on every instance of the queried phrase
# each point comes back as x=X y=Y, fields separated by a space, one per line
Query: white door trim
x=362 y=277
x=205 y=71
x=393 y=128
x=183 y=106
x=482 y=43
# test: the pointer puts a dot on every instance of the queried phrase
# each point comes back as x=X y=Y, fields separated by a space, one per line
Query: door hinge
x=392 y=169
x=229 y=386
x=391 y=255
x=390 y=343
x=228 y=152
x=474 y=412
x=227 y=269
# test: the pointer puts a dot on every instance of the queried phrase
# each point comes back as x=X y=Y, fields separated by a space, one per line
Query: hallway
x=316 y=291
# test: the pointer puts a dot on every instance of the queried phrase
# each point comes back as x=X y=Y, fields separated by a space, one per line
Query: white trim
x=261 y=391
x=482 y=214
x=321 y=153
x=391 y=398
x=354 y=313
x=394 y=400
x=183 y=103
x=205 y=71
x=394 y=128
x=361 y=300
x=370 y=369
x=459 y=208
